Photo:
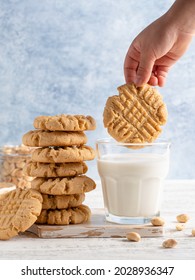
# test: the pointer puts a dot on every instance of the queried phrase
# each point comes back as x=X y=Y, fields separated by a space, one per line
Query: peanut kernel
x=133 y=236
x=182 y=218
x=179 y=227
x=193 y=232
x=157 y=221
x=169 y=243
x=14 y=159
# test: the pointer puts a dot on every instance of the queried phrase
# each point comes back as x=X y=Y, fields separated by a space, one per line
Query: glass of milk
x=132 y=177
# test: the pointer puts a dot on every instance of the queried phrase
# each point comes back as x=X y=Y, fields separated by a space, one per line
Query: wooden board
x=96 y=227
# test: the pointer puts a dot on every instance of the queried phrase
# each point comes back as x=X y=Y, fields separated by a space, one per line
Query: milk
x=132 y=183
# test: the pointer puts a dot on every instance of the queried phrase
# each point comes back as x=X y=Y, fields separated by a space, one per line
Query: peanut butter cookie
x=39 y=138
x=136 y=115
x=63 y=155
x=59 y=186
x=38 y=169
x=19 y=209
x=62 y=201
x=75 y=215
x=65 y=123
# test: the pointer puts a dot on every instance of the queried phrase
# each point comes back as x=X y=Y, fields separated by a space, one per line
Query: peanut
x=13 y=160
x=157 y=221
x=133 y=236
x=180 y=227
x=21 y=149
x=17 y=172
x=20 y=164
x=193 y=232
x=169 y=243
x=182 y=218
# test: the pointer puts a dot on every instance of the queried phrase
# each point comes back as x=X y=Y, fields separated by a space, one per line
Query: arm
x=160 y=45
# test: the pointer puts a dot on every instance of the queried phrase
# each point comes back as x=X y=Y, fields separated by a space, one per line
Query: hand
x=154 y=51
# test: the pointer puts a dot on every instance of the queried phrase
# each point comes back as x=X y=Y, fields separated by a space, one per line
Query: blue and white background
x=66 y=56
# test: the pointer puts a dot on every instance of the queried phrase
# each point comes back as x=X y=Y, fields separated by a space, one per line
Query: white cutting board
x=96 y=227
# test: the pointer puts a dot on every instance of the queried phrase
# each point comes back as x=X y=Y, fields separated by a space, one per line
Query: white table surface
x=179 y=197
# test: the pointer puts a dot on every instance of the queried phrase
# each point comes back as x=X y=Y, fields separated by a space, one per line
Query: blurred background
x=67 y=57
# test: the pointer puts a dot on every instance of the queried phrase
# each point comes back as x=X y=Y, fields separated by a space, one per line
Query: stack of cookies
x=58 y=163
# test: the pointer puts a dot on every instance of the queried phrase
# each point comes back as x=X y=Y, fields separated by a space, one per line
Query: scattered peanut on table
x=182 y=218
x=180 y=227
x=169 y=243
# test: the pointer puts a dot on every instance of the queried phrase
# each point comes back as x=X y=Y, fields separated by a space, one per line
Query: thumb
x=144 y=70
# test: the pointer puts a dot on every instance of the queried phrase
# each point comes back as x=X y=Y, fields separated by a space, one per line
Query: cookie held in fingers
x=19 y=209
x=63 y=155
x=75 y=215
x=38 y=169
x=60 y=186
x=40 y=138
x=65 y=123
x=135 y=115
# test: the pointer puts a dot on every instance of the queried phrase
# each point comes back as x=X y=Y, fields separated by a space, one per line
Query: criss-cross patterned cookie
x=38 y=169
x=19 y=209
x=62 y=201
x=75 y=215
x=135 y=115
x=65 y=123
x=40 y=138
x=63 y=155
x=60 y=186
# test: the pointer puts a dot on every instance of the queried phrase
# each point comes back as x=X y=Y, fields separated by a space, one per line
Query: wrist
x=181 y=16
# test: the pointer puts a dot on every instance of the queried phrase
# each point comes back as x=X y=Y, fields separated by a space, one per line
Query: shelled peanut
x=12 y=161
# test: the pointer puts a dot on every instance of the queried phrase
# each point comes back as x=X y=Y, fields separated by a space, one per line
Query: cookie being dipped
x=135 y=115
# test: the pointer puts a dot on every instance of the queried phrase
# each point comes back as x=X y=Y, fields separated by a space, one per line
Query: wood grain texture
x=179 y=197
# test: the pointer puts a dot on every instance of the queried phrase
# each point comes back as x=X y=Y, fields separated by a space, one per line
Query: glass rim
x=112 y=141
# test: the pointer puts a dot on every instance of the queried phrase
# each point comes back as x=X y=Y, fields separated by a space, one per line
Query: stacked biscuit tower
x=58 y=163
